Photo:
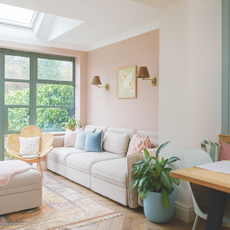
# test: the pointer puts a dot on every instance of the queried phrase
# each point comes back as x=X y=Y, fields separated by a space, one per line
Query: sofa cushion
x=60 y=154
x=70 y=138
x=138 y=143
x=116 y=143
x=154 y=137
x=93 y=142
x=112 y=171
x=98 y=128
x=130 y=132
x=81 y=137
x=23 y=182
x=83 y=161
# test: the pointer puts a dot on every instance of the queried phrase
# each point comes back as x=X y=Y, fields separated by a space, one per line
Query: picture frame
x=127 y=83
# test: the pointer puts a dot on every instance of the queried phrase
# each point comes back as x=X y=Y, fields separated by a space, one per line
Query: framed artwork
x=127 y=82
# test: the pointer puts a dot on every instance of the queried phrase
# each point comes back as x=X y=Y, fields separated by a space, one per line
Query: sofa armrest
x=58 y=141
x=132 y=194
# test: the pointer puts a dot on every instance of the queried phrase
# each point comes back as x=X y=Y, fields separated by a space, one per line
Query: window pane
x=17 y=67
x=18 y=118
x=6 y=155
x=50 y=95
x=56 y=70
x=53 y=118
x=17 y=93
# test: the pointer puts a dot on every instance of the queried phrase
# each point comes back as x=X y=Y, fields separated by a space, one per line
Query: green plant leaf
x=175 y=180
x=158 y=186
x=172 y=159
x=139 y=162
x=148 y=159
x=164 y=198
x=134 y=183
x=160 y=148
x=165 y=178
x=158 y=166
x=167 y=169
x=146 y=152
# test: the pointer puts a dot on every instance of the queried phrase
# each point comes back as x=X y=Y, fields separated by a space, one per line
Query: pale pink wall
x=81 y=70
x=103 y=107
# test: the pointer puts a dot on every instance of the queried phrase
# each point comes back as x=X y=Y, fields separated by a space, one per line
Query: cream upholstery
x=98 y=128
x=116 y=143
x=113 y=171
x=24 y=191
x=107 y=173
x=60 y=154
x=84 y=161
x=130 y=132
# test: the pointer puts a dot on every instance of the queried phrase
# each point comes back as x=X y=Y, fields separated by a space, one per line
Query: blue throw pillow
x=93 y=142
x=81 y=136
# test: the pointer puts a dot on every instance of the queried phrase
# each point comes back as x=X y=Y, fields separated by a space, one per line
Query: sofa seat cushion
x=84 y=161
x=60 y=154
x=22 y=182
x=113 y=171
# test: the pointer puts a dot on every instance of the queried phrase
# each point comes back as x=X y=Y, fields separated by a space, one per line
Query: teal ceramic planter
x=154 y=209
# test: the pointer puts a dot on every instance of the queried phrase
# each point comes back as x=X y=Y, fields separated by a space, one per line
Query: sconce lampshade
x=143 y=72
x=96 y=80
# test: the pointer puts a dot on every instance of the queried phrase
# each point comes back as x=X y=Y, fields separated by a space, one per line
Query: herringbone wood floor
x=132 y=219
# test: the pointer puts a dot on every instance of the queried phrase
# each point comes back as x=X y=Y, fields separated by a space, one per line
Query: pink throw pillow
x=138 y=142
x=152 y=152
x=70 y=138
x=224 y=151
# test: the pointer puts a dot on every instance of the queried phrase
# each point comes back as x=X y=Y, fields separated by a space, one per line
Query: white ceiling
x=83 y=24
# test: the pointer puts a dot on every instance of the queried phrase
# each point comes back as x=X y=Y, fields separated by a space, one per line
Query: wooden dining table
x=220 y=185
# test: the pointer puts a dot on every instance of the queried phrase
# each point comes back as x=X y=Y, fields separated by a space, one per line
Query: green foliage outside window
x=47 y=95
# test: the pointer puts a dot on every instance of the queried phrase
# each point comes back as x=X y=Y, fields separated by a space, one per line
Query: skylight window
x=16 y=16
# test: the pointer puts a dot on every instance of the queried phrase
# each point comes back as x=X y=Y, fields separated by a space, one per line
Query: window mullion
x=1 y=106
x=33 y=77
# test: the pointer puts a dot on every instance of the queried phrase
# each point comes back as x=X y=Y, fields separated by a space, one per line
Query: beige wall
x=190 y=83
x=103 y=106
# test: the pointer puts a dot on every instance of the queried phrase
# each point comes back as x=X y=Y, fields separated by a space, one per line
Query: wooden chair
x=46 y=142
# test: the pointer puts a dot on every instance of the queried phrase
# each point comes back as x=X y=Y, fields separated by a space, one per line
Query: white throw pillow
x=29 y=145
x=116 y=143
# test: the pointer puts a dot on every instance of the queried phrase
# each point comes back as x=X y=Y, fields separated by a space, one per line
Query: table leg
x=216 y=210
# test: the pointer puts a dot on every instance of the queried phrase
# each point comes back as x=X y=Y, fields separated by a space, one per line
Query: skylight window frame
x=21 y=25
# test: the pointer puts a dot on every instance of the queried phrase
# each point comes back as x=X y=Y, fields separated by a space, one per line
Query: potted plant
x=155 y=186
x=72 y=123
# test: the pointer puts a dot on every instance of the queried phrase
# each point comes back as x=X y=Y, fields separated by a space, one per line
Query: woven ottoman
x=24 y=191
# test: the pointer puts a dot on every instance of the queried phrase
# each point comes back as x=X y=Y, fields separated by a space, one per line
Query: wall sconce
x=144 y=73
x=96 y=81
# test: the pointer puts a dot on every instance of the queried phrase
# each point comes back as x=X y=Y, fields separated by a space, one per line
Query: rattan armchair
x=46 y=143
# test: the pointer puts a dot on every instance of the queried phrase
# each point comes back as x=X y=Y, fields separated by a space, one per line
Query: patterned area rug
x=63 y=208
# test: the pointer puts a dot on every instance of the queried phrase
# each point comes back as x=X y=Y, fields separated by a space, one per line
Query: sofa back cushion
x=154 y=137
x=81 y=137
x=138 y=143
x=93 y=142
x=70 y=138
x=116 y=143
x=129 y=132
x=96 y=127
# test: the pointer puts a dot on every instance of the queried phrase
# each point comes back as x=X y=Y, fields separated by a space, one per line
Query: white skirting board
x=185 y=213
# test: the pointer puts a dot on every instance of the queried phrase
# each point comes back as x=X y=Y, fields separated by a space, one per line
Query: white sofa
x=104 y=172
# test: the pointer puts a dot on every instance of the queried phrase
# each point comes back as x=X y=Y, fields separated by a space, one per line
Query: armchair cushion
x=29 y=145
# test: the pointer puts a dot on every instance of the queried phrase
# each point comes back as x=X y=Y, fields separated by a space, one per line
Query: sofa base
x=56 y=167
x=20 y=201
x=111 y=191
x=78 y=177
